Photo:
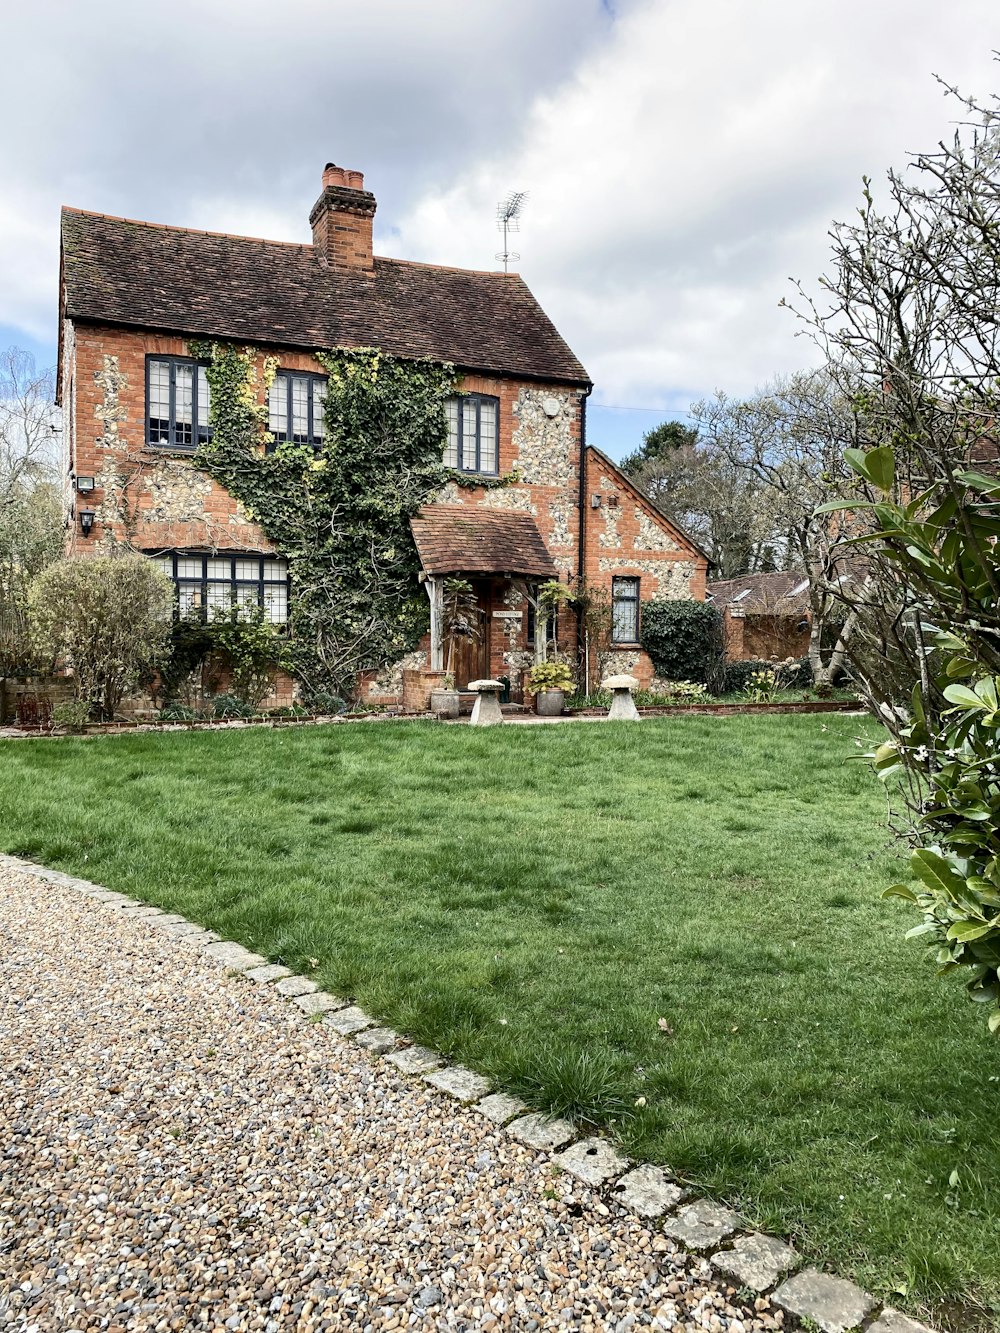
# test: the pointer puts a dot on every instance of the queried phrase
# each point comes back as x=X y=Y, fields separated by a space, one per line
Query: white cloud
x=222 y=115
x=683 y=158
x=682 y=173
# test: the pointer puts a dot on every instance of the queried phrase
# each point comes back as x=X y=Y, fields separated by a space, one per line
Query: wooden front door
x=472 y=651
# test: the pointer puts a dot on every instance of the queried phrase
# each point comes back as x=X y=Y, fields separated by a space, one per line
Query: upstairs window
x=295 y=408
x=624 y=610
x=207 y=583
x=472 y=433
x=177 y=403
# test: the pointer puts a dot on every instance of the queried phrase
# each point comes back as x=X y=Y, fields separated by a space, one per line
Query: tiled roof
x=454 y=539
x=785 y=592
x=117 y=271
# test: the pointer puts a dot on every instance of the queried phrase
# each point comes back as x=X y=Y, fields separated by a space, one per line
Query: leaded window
x=177 y=403
x=211 y=583
x=295 y=406
x=625 y=610
x=472 y=433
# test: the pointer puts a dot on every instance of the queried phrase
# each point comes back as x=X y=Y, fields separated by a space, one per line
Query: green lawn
x=533 y=900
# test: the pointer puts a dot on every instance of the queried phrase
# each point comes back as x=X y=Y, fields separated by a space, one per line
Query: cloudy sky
x=683 y=158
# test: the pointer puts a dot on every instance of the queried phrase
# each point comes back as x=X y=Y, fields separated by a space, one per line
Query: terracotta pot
x=549 y=703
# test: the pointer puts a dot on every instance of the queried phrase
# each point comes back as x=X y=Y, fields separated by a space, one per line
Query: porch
x=485 y=629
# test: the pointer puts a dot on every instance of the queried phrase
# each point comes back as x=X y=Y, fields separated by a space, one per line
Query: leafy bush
x=231 y=706
x=674 y=691
x=684 y=640
x=596 y=699
x=793 y=674
x=175 y=712
x=191 y=643
x=762 y=686
x=320 y=701
x=944 y=548
x=550 y=676
x=255 y=651
x=73 y=714
x=107 y=618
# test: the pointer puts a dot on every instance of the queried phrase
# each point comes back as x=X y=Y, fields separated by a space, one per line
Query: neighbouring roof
x=117 y=271
x=459 y=539
x=785 y=592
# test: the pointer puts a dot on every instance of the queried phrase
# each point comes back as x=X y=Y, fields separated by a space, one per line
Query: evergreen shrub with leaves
x=944 y=545
x=794 y=674
x=684 y=640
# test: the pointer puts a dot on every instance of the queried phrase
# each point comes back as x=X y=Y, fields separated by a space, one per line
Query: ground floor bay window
x=214 y=582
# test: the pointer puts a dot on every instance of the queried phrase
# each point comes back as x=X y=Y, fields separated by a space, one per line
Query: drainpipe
x=582 y=551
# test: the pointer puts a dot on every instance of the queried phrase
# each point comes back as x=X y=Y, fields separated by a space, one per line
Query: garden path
x=181 y=1148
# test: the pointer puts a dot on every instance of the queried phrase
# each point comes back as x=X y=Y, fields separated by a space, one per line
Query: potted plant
x=444 y=697
x=461 y=616
x=549 y=682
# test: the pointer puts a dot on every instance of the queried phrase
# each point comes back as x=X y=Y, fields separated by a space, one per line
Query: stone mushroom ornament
x=623 y=707
x=486 y=710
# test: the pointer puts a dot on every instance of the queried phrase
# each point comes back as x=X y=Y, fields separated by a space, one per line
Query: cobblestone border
x=736 y=1253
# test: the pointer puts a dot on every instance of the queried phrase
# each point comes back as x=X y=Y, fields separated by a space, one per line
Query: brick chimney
x=341 y=219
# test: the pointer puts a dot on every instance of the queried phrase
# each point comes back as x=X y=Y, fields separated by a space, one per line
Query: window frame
x=311 y=377
x=618 y=597
x=172 y=443
x=476 y=399
x=233 y=583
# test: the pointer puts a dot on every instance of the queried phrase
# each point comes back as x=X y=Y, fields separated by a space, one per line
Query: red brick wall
x=627 y=536
x=107 y=435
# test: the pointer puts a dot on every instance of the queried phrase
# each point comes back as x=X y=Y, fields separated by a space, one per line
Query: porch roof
x=458 y=539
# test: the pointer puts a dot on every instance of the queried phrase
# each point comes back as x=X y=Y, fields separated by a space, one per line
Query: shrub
x=550 y=676
x=108 y=619
x=230 y=705
x=190 y=645
x=675 y=691
x=323 y=703
x=175 y=712
x=943 y=548
x=255 y=650
x=762 y=685
x=73 y=714
x=684 y=640
x=793 y=674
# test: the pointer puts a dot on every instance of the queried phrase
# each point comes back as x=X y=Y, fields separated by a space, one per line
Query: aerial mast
x=508 y=220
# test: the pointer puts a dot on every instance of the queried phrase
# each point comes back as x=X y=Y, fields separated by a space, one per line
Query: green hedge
x=738 y=673
x=684 y=641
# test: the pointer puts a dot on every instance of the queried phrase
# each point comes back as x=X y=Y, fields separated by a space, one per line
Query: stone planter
x=445 y=702
x=549 y=703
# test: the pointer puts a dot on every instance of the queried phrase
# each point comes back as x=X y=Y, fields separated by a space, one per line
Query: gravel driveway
x=181 y=1149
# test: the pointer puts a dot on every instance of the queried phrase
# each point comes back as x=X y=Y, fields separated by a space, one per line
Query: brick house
x=135 y=407
x=765 y=616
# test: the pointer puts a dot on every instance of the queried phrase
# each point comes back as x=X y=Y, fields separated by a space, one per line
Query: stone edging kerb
x=762 y=1264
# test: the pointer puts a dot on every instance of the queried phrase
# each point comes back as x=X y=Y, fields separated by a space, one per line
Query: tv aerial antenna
x=509 y=220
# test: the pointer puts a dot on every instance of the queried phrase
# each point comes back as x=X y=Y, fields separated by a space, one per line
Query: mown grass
x=534 y=900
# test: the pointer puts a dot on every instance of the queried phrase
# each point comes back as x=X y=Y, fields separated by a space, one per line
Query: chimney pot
x=343 y=176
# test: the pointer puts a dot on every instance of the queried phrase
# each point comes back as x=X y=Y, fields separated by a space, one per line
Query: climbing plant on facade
x=339 y=512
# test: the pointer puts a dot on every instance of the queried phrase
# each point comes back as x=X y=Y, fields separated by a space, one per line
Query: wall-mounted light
x=87 y=517
x=84 y=485
x=595 y=502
